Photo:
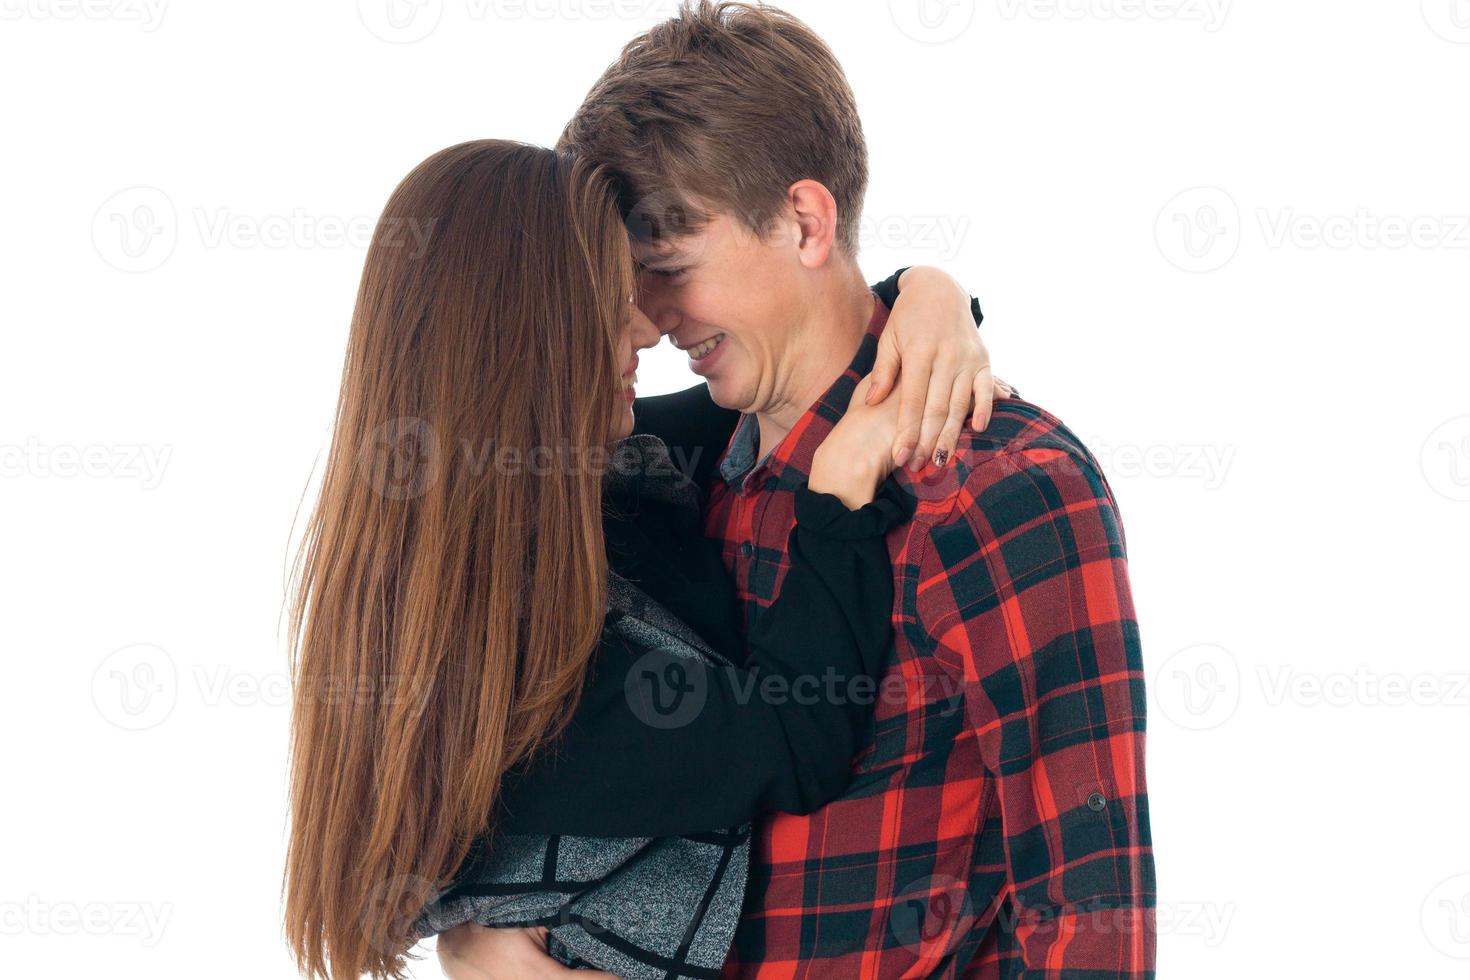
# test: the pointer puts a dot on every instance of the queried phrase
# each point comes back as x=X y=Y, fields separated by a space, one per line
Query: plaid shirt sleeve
x=1023 y=594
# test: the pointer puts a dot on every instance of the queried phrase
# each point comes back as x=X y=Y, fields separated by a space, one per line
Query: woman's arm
x=662 y=745
x=931 y=350
x=928 y=334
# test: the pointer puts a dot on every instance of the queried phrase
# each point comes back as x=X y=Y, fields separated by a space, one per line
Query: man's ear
x=816 y=221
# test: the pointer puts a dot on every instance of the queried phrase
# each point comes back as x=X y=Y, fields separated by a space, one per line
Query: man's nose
x=667 y=321
x=664 y=317
x=644 y=333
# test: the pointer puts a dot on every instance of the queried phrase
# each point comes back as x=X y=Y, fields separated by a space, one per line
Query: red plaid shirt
x=997 y=822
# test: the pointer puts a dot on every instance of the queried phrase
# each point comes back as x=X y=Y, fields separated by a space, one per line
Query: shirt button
x=1096 y=802
x=746 y=550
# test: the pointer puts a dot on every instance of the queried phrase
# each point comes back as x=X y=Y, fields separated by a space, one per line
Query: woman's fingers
x=913 y=394
x=960 y=398
x=950 y=400
x=936 y=413
x=936 y=398
x=885 y=370
x=985 y=391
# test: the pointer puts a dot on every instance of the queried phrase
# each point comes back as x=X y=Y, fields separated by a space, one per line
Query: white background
x=1228 y=243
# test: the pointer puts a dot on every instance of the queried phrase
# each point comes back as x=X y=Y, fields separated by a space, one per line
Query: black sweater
x=763 y=740
x=777 y=731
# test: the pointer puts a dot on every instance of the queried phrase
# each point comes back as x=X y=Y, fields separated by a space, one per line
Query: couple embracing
x=830 y=670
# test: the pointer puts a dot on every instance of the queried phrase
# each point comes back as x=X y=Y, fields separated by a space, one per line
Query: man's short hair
x=727 y=104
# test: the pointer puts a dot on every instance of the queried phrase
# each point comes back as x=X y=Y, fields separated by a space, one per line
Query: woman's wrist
x=848 y=477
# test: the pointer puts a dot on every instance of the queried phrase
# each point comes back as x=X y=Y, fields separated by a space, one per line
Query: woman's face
x=639 y=333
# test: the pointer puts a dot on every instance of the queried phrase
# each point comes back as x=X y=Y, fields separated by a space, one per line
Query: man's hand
x=932 y=349
x=475 y=952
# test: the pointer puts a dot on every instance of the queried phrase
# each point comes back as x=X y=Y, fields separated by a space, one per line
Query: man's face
x=731 y=299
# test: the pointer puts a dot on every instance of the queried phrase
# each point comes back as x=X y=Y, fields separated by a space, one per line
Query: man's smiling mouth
x=704 y=348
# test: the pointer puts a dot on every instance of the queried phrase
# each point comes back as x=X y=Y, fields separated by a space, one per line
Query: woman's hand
x=932 y=349
x=856 y=456
x=475 y=952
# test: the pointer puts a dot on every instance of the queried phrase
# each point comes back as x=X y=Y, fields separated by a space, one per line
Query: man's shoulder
x=1016 y=425
x=1025 y=454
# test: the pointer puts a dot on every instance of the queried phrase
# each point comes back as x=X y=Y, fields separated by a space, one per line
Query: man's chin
x=727 y=395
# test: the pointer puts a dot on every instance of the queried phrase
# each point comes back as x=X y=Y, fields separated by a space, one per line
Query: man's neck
x=831 y=333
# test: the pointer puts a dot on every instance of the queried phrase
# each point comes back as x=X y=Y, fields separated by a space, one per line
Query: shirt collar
x=789 y=463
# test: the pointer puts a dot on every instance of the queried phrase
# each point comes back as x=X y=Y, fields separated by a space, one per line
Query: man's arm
x=475 y=952
x=1024 y=593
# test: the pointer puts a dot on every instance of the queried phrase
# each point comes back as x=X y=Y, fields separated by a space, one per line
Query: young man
x=997 y=823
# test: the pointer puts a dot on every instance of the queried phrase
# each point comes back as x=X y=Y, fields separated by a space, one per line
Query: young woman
x=489 y=595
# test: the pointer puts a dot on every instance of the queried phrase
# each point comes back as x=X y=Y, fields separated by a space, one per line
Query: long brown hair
x=449 y=592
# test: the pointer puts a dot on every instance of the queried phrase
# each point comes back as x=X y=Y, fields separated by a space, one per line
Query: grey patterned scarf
x=663 y=907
